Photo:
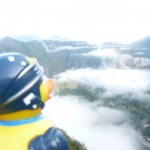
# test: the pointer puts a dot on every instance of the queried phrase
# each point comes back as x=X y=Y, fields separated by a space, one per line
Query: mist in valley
x=105 y=121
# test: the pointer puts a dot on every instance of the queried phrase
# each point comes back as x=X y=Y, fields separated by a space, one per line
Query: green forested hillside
x=49 y=57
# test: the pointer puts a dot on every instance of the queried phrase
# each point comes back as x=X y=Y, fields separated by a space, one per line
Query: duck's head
x=24 y=88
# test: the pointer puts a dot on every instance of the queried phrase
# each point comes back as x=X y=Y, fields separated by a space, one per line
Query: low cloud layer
x=114 y=81
x=120 y=59
x=98 y=127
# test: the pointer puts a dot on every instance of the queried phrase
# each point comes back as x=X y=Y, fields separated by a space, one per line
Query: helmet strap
x=33 y=102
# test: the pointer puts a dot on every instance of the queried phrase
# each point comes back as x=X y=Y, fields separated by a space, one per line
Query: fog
x=99 y=128
x=119 y=73
x=114 y=81
x=113 y=58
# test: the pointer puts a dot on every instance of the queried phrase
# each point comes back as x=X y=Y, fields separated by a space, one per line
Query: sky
x=91 y=20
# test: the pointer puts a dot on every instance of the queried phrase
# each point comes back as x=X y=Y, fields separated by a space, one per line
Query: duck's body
x=16 y=135
x=24 y=89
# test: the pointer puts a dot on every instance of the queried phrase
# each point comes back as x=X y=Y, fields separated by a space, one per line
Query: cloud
x=114 y=81
x=97 y=127
x=120 y=59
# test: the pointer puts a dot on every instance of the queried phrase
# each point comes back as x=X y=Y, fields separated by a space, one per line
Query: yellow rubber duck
x=24 y=89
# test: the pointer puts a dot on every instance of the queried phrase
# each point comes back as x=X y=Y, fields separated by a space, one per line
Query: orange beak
x=45 y=89
x=50 y=85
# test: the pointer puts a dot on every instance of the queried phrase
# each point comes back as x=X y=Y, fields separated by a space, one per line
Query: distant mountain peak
x=58 y=38
x=144 y=42
x=26 y=38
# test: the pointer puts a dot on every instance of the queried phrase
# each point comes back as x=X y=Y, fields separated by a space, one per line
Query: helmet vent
x=23 y=63
x=11 y=58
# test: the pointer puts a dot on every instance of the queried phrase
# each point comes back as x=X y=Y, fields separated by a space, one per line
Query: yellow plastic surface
x=18 y=137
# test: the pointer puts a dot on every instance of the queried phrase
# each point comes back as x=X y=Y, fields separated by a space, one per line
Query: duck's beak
x=50 y=86
x=46 y=89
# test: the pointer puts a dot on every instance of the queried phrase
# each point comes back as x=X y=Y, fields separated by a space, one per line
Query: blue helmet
x=19 y=83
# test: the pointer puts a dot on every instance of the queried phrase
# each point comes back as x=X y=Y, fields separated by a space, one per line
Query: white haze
x=115 y=58
x=90 y=20
x=99 y=128
x=114 y=81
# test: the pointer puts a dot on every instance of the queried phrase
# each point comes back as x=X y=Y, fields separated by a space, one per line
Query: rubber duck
x=24 y=90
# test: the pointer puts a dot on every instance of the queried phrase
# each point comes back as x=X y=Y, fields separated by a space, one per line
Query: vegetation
x=74 y=144
x=81 y=90
x=53 y=61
